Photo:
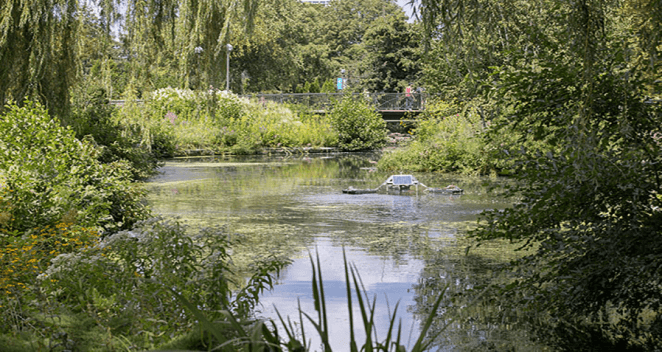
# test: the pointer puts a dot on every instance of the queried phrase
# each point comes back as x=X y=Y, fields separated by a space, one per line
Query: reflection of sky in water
x=391 y=207
x=301 y=205
x=381 y=277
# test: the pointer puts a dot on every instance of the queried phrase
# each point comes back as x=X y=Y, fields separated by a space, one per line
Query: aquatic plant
x=259 y=337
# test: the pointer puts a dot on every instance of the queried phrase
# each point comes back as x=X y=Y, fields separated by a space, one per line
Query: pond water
x=406 y=247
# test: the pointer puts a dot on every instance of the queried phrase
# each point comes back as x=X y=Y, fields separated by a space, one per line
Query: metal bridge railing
x=322 y=101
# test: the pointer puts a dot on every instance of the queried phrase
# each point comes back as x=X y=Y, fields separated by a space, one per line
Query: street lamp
x=227 y=67
x=198 y=51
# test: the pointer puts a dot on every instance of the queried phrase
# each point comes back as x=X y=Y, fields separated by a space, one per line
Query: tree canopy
x=579 y=77
x=130 y=47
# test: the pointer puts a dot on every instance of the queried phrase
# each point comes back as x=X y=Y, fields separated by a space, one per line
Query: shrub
x=49 y=175
x=449 y=139
x=358 y=125
x=92 y=118
x=140 y=282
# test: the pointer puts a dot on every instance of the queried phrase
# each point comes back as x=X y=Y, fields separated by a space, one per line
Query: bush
x=92 y=119
x=450 y=139
x=48 y=175
x=140 y=282
x=358 y=125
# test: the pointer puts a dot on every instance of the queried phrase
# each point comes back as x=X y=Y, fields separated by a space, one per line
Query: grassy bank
x=176 y=121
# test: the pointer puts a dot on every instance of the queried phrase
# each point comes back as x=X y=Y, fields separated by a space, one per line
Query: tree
x=38 y=51
x=344 y=28
x=392 y=59
x=284 y=50
x=577 y=77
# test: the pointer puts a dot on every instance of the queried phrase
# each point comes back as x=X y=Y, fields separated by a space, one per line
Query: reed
x=266 y=336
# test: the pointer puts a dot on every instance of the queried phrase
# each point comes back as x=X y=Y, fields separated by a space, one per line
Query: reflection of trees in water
x=394 y=241
x=272 y=211
x=475 y=319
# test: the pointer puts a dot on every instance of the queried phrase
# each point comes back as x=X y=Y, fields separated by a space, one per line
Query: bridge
x=392 y=106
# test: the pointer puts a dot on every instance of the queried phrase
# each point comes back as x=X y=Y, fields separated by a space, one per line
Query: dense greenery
x=131 y=48
x=449 y=138
x=573 y=79
x=132 y=289
x=359 y=126
x=178 y=121
x=561 y=94
x=83 y=270
x=48 y=175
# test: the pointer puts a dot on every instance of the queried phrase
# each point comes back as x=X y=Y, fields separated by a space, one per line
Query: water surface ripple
x=405 y=246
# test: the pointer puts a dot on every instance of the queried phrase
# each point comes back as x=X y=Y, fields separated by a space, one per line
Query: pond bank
x=394 y=140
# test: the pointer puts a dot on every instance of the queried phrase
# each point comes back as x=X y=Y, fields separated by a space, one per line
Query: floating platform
x=399 y=183
x=359 y=191
x=452 y=189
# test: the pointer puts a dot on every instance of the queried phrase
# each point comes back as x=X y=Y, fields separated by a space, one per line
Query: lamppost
x=227 y=67
x=198 y=50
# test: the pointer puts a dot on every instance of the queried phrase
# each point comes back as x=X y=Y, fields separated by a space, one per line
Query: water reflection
x=385 y=280
x=406 y=247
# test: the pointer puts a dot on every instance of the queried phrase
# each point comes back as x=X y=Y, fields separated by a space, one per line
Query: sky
x=404 y=4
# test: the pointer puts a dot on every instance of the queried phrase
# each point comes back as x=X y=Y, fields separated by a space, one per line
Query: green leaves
x=367 y=309
x=359 y=126
x=50 y=173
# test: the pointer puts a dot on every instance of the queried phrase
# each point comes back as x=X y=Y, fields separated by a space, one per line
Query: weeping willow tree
x=40 y=43
x=38 y=51
x=581 y=78
x=182 y=38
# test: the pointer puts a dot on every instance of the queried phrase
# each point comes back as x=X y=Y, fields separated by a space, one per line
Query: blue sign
x=339 y=84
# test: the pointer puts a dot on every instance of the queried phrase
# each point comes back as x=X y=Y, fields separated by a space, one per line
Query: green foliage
x=566 y=79
x=176 y=121
x=359 y=126
x=393 y=59
x=450 y=139
x=92 y=119
x=133 y=290
x=37 y=50
x=126 y=275
x=48 y=175
x=589 y=210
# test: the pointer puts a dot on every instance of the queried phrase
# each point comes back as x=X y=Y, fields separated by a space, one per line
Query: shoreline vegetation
x=87 y=266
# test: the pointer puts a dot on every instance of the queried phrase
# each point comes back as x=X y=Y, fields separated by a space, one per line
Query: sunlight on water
x=406 y=247
x=384 y=280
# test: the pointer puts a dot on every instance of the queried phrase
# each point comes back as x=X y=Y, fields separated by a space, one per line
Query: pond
x=406 y=247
